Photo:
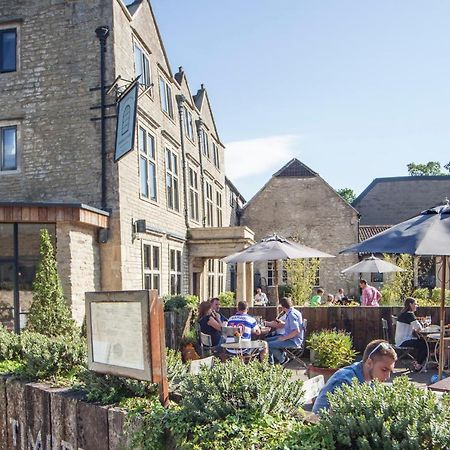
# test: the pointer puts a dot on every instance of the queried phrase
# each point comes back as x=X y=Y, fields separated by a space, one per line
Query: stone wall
x=36 y=416
x=306 y=208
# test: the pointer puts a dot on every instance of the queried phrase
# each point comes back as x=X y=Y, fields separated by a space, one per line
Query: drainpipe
x=180 y=100
x=102 y=34
x=199 y=124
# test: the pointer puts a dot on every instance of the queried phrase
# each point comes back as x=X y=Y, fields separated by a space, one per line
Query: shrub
x=43 y=356
x=49 y=313
x=177 y=370
x=381 y=416
x=174 y=302
x=302 y=275
x=285 y=290
x=332 y=349
x=256 y=388
x=9 y=345
x=227 y=299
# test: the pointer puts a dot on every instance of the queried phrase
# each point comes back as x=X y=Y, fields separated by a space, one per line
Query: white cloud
x=255 y=156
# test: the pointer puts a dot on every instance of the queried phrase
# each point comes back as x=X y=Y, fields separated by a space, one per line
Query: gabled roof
x=368 y=231
x=181 y=79
x=295 y=168
x=388 y=201
x=201 y=99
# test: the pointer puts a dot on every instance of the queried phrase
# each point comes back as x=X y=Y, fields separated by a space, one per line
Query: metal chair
x=205 y=344
x=295 y=354
x=399 y=349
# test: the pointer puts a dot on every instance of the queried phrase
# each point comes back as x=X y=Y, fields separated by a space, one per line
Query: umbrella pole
x=442 y=317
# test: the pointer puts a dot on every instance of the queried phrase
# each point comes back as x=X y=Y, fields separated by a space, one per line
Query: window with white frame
x=220 y=276
x=270 y=273
x=211 y=276
x=216 y=158
x=147 y=164
x=8 y=50
x=193 y=195
x=8 y=148
x=175 y=271
x=204 y=144
x=165 y=93
x=209 y=203
x=188 y=123
x=173 y=198
x=219 y=208
x=142 y=66
x=152 y=267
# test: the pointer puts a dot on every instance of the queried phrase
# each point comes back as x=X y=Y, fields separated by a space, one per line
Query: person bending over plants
x=377 y=364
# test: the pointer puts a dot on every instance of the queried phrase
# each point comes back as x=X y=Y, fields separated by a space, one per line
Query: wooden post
x=158 y=347
x=442 y=317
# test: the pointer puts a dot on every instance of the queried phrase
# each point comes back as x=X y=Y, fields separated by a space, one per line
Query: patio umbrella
x=373 y=265
x=275 y=247
x=427 y=234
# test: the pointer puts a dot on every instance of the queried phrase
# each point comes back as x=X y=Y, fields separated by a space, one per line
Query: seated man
x=292 y=336
x=245 y=324
x=316 y=300
x=260 y=298
x=377 y=364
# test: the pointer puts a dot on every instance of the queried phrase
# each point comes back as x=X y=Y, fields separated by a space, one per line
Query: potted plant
x=330 y=350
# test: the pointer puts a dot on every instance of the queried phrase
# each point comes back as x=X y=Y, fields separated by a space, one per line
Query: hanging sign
x=126 y=122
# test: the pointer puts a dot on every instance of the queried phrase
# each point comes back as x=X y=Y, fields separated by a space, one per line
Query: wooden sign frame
x=152 y=331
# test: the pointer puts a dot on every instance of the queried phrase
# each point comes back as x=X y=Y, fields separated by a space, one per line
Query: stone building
x=159 y=217
x=297 y=203
x=389 y=201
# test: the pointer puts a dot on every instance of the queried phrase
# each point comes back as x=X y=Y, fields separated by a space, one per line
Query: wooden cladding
x=52 y=214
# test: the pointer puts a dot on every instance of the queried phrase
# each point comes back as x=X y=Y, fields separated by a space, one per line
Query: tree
x=347 y=194
x=49 y=313
x=302 y=275
x=399 y=284
x=428 y=169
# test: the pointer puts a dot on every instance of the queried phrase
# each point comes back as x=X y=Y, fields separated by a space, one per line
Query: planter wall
x=36 y=416
x=364 y=323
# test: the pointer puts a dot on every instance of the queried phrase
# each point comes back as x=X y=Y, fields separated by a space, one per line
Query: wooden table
x=441 y=386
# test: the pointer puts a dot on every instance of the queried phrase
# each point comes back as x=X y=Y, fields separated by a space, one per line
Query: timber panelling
x=363 y=323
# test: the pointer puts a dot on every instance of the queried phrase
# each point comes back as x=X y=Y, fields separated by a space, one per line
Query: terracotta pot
x=325 y=371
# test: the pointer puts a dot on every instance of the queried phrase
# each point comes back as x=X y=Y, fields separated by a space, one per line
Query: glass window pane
x=142 y=141
x=151 y=145
x=143 y=171
x=147 y=282
x=175 y=164
x=138 y=69
x=9 y=148
x=162 y=94
x=156 y=282
x=178 y=284
x=168 y=160
x=146 y=65
x=175 y=194
x=178 y=261
x=156 y=258
x=146 y=256
x=152 y=180
x=8 y=51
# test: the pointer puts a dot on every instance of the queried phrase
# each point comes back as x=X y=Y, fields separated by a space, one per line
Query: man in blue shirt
x=293 y=333
x=377 y=364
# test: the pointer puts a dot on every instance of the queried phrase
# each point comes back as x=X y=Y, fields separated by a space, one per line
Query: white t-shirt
x=406 y=325
x=261 y=299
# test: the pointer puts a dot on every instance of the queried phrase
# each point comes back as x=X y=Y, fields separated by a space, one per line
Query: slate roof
x=295 y=168
x=388 y=201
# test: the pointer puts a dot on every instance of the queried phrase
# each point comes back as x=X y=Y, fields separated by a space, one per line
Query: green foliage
x=347 y=194
x=177 y=370
x=284 y=290
x=372 y=416
x=431 y=298
x=49 y=313
x=227 y=299
x=10 y=366
x=45 y=357
x=431 y=168
x=332 y=349
x=306 y=437
x=232 y=387
x=9 y=345
x=109 y=389
x=174 y=302
x=400 y=284
x=301 y=274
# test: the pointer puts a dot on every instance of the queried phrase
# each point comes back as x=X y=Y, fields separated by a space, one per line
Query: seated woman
x=406 y=332
x=208 y=324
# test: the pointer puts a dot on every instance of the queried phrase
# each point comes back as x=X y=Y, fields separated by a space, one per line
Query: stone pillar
x=241 y=282
x=249 y=283
x=204 y=281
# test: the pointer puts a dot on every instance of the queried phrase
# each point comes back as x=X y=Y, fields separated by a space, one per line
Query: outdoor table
x=434 y=337
x=425 y=334
x=441 y=386
x=253 y=346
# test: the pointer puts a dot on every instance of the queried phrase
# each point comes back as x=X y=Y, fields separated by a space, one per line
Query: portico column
x=241 y=282
x=249 y=283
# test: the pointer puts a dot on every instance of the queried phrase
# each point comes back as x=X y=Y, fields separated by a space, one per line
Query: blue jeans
x=276 y=348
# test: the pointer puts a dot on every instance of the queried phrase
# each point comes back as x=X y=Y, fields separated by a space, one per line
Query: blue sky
x=354 y=89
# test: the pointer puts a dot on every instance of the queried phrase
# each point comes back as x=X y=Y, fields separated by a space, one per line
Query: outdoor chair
x=401 y=351
x=295 y=354
x=206 y=344
x=197 y=364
